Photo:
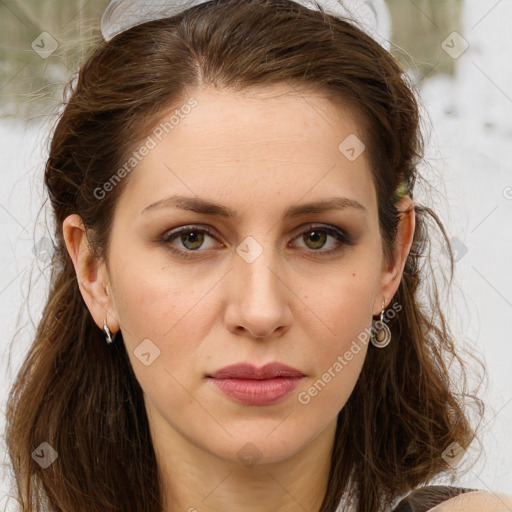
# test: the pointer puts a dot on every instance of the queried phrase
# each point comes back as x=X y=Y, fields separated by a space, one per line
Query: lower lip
x=257 y=392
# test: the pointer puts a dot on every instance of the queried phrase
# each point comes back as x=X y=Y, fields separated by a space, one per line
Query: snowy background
x=468 y=163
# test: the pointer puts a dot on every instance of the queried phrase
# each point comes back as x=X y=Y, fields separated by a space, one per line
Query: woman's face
x=281 y=279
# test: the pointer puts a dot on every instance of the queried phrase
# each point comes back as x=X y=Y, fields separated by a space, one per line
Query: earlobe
x=91 y=273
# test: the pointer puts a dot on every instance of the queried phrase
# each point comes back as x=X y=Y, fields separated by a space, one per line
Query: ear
x=91 y=274
x=392 y=271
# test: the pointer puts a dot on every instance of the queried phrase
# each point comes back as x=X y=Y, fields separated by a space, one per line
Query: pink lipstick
x=250 y=385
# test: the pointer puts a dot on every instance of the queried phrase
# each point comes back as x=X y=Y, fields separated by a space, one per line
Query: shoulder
x=446 y=498
x=476 y=501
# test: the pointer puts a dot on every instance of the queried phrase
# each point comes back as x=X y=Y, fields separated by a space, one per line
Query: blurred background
x=458 y=53
x=31 y=84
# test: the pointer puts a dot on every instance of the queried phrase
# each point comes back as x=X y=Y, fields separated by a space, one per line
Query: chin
x=266 y=443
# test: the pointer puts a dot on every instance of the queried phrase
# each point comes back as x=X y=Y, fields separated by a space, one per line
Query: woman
x=236 y=319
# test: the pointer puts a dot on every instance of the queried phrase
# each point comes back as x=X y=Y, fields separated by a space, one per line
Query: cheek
x=342 y=307
x=336 y=358
x=170 y=309
x=162 y=333
x=152 y=298
x=338 y=331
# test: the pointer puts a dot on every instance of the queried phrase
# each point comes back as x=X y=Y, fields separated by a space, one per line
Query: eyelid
x=342 y=237
x=174 y=233
x=328 y=228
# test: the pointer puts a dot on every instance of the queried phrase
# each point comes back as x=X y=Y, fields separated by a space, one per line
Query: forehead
x=276 y=116
x=253 y=146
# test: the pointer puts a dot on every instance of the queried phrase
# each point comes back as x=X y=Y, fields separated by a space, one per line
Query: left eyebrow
x=334 y=203
x=206 y=207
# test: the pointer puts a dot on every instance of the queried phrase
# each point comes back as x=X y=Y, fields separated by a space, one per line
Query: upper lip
x=249 y=371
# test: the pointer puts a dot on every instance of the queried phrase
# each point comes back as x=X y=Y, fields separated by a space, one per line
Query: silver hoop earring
x=382 y=337
x=108 y=335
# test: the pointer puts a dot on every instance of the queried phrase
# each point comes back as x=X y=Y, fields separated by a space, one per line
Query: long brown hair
x=81 y=396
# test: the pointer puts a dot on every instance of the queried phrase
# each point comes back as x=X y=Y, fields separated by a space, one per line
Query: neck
x=195 y=480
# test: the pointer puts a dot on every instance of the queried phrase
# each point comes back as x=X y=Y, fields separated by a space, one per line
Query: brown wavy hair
x=81 y=395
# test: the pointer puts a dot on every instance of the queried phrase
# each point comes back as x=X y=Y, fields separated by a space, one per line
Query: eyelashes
x=189 y=235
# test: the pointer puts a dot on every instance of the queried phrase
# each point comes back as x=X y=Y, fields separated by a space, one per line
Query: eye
x=188 y=240
x=191 y=237
x=316 y=237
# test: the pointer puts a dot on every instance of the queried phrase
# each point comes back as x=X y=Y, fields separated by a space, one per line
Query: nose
x=258 y=298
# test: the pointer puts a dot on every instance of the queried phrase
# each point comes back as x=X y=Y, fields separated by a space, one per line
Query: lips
x=248 y=371
x=245 y=383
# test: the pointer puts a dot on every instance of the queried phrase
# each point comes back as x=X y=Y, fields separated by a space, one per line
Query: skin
x=258 y=154
x=476 y=501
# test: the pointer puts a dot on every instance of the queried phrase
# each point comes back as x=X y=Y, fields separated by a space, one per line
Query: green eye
x=191 y=238
x=318 y=239
x=194 y=238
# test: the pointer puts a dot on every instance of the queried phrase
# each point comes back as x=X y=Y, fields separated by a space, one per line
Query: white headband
x=372 y=15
